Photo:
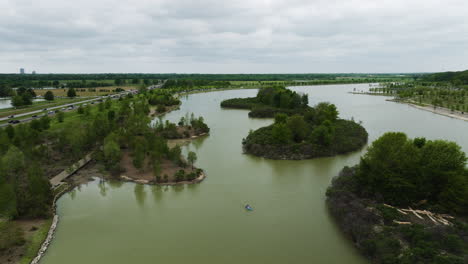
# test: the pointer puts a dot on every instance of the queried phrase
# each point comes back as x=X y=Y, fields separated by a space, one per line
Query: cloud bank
x=241 y=36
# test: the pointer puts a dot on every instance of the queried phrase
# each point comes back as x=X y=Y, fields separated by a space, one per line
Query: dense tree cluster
x=457 y=78
x=407 y=173
x=187 y=126
x=190 y=83
x=24 y=190
x=271 y=101
x=401 y=171
x=162 y=97
x=299 y=131
x=22 y=97
x=182 y=81
x=317 y=132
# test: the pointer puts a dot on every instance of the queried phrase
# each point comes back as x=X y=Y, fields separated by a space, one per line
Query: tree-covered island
x=299 y=131
x=405 y=202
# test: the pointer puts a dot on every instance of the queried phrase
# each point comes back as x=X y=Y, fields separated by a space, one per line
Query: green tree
x=10 y=130
x=192 y=157
x=27 y=98
x=281 y=134
x=13 y=161
x=280 y=118
x=60 y=116
x=139 y=153
x=175 y=153
x=298 y=127
x=7 y=201
x=325 y=111
x=112 y=153
x=111 y=115
x=322 y=134
x=17 y=100
x=49 y=96
x=37 y=199
x=80 y=110
x=157 y=169
x=71 y=92
x=45 y=122
x=402 y=171
x=305 y=100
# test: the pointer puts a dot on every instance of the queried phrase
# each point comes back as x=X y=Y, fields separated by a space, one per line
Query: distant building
x=33 y=72
x=21 y=70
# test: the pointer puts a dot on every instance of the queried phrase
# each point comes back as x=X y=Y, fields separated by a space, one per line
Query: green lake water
x=116 y=223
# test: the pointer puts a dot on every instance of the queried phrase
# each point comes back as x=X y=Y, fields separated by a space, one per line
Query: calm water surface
x=127 y=223
x=6 y=102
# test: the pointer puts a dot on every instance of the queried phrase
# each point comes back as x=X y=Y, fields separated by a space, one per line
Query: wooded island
x=299 y=131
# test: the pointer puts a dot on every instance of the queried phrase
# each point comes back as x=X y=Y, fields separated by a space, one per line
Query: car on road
x=45 y=109
x=51 y=112
x=13 y=121
x=34 y=116
x=11 y=116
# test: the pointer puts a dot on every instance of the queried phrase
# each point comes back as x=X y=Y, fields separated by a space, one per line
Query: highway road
x=64 y=108
x=51 y=110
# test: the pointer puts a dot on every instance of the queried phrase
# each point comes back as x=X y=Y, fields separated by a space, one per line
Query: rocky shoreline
x=50 y=235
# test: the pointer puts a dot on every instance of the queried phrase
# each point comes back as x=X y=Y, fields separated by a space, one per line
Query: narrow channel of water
x=127 y=223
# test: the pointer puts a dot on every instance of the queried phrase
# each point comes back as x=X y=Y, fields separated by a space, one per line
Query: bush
x=388 y=214
x=161 y=109
x=180 y=175
x=10 y=235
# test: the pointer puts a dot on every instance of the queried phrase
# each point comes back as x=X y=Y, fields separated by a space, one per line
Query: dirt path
x=57 y=180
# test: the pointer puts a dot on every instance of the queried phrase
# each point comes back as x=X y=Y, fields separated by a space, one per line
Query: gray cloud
x=233 y=36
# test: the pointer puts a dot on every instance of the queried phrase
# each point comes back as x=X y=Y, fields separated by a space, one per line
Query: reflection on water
x=102 y=187
x=115 y=184
x=72 y=193
x=140 y=194
x=157 y=192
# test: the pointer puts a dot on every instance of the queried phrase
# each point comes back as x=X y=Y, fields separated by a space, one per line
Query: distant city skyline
x=242 y=36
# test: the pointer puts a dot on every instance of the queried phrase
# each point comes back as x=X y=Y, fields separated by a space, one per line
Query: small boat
x=248 y=207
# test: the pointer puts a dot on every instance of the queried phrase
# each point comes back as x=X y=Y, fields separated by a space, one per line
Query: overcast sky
x=233 y=36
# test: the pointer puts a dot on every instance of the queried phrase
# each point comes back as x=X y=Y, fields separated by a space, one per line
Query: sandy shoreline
x=199 y=179
x=437 y=110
